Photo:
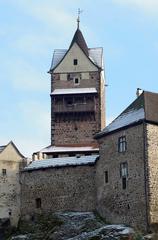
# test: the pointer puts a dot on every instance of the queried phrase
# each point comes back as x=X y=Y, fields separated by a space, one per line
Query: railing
x=74 y=108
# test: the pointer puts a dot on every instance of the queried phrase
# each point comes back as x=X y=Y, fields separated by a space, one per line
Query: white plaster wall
x=10 y=160
x=84 y=64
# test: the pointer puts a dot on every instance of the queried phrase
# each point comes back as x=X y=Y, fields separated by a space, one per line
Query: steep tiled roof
x=79 y=39
x=94 y=54
x=144 y=108
x=62 y=162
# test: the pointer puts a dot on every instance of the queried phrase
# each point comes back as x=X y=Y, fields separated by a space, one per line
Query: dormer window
x=75 y=61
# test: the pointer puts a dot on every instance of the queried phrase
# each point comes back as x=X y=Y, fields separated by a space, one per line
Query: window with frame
x=75 y=61
x=38 y=202
x=122 y=144
x=124 y=174
x=124 y=169
x=4 y=172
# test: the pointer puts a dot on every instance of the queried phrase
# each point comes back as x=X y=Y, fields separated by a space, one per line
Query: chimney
x=139 y=92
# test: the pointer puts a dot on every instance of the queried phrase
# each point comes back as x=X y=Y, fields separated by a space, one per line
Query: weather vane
x=78 y=18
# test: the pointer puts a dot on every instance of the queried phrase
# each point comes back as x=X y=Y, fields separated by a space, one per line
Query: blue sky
x=29 y=32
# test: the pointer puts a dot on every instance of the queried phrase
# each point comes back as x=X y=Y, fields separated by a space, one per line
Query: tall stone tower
x=77 y=93
x=77 y=99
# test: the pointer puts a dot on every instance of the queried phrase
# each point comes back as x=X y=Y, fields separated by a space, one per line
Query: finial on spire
x=78 y=18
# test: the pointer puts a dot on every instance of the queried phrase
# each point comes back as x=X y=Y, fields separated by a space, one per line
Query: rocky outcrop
x=70 y=226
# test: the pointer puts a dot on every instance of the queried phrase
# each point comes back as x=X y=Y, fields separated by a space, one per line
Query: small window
x=76 y=81
x=38 y=202
x=4 y=172
x=106 y=176
x=122 y=144
x=124 y=183
x=124 y=169
x=75 y=61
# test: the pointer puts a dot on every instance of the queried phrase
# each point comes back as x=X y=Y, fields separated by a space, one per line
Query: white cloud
x=147 y=6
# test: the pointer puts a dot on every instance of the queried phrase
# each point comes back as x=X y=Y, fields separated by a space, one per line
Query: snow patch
x=68 y=149
x=126 y=119
x=60 y=162
x=73 y=91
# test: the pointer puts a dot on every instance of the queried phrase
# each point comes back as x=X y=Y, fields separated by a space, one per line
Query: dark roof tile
x=79 y=39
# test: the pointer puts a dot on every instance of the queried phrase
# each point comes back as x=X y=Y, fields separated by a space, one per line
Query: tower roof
x=95 y=55
x=79 y=39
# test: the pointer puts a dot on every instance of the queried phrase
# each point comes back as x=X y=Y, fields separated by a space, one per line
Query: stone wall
x=116 y=204
x=78 y=128
x=152 y=153
x=63 y=189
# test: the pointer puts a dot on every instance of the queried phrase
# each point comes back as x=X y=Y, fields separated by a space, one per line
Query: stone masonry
x=116 y=204
x=60 y=189
x=152 y=176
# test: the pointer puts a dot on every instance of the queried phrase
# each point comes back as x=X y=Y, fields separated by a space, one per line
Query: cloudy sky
x=29 y=32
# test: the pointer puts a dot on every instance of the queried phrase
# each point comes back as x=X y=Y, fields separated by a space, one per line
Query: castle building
x=121 y=182
x=64 y=178
x=126 y=178
x=77 y=100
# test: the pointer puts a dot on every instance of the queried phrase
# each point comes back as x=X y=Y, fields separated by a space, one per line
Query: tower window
x=76 y=81
x=38 y=202
x=122 y=144
x=4 y=172
x=75 y=61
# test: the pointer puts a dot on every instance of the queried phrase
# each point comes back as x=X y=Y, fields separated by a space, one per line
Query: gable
x=11 y=153
x=84 y=64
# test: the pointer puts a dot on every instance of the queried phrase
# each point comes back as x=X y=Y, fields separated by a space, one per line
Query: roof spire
x=78 y=18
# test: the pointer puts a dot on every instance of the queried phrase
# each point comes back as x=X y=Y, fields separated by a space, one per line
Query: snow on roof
x=95 y=54
x=73 y=91
x=62 y=162
x=125 y=119
x=50 y=149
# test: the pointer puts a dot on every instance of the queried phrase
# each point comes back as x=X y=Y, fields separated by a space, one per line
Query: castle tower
x=77 y=99
x=77 y=93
